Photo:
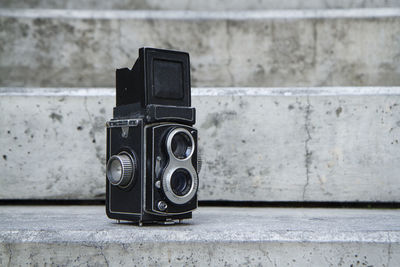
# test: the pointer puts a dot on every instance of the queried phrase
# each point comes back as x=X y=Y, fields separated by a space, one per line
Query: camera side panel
x=125 y=202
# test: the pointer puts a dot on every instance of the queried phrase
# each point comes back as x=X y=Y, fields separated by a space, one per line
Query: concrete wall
x=56 y=48
x=198 y=5
x=259 y=144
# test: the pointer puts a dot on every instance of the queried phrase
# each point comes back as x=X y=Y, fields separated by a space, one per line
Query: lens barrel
x=181 y=145
x=181 y=182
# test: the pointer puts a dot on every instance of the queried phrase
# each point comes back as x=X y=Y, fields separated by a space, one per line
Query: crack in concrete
x=10 y=255
x=266 y=254
x=92 y=131
x=308 y=153
x=87 y=110
x=389 y=255
x=315 y=38
x=328 y=261
x=210 y=254
x=104 y=256
x=228 y=50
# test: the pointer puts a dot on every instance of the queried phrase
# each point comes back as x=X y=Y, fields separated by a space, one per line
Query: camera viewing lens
x=181 y=145
x=181 y=182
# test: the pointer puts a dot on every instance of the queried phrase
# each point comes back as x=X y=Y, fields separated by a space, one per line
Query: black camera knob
x=121 y=169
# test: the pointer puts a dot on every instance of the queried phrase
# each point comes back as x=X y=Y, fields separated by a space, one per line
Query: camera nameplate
x=122 y=123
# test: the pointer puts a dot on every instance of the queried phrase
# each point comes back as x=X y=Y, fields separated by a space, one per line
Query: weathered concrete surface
x=198 y=5
x=73 y=235
x=55 y=48
x=261 y=144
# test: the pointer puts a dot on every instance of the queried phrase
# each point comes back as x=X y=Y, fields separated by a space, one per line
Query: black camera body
x=152 y=161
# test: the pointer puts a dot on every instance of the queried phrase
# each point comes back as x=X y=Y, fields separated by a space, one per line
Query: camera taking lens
x=181 y=182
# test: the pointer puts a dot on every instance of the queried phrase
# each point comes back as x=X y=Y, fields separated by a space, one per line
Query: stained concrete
x=74 y=48
x=198 y=5
x=258 y=144
x=75 y=235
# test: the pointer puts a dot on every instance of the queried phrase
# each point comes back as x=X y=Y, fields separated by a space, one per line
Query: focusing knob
x=121 y=169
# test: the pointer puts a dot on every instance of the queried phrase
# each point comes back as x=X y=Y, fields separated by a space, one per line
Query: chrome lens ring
x=169 y=190
x=180 y=164
x=186 y=134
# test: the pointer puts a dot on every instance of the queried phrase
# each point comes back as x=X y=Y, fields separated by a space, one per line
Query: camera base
x=149 y=219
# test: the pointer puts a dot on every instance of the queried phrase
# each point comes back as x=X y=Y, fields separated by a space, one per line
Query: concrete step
x=259 y=144
x=198 y=5
x=82 y=235
x=285 y=48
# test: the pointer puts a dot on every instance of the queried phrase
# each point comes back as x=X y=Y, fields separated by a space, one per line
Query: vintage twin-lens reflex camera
x=152 y=162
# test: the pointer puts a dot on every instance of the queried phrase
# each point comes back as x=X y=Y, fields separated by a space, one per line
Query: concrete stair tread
x=228 y=234
x=199 y=5
x=209 y=224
